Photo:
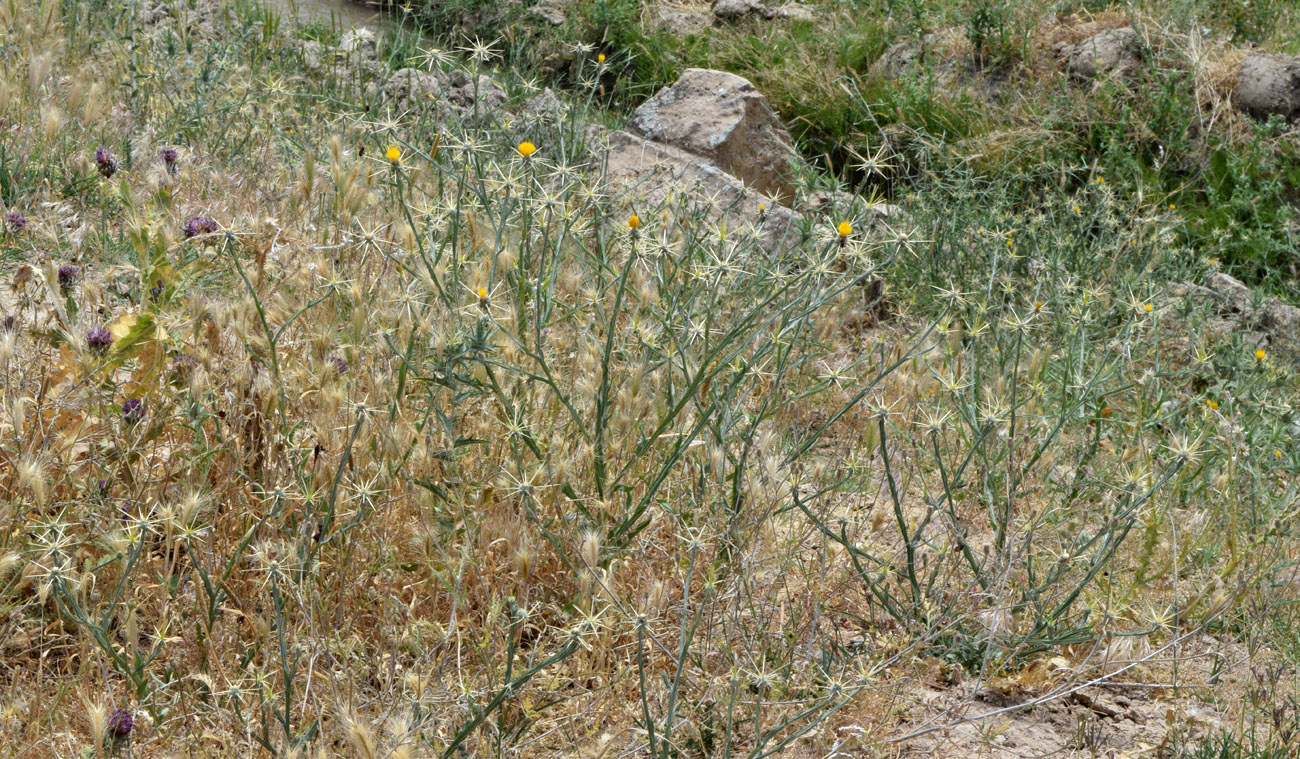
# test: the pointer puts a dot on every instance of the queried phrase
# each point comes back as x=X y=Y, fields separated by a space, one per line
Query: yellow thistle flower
x=600 y=58
x=482 y=293
x=1147 y=307
x=526 y=149
x=845 y=229
x=1213 y=404
x=393 y=154
x=1260 y=353
x=633 y=221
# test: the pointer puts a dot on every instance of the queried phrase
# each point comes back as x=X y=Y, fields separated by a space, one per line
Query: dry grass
x=437 y=456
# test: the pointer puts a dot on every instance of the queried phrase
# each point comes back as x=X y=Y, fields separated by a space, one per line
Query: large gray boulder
x=723 y=118
x=640 y=173
x=1268 y=84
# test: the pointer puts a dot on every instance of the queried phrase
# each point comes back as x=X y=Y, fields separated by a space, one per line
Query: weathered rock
x=1268 y=84
x=414 y=88
x=645 y=174
x=1233 y=292
x=681 y=22
x=723 y=118
x=312 y=52
x=484 y=96
x=359 y=42
x=900 y=58
x=1282 y=319
x=792 y=12
x=1114 y=51
x=544 y=106
x=550 y=12
x=734 y=10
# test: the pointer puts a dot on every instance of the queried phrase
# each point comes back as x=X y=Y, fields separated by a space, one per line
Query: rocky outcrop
x=721 y=117
x=734 y=10
x=1238 y=310
x=1269 y=84
x=647 y=174
x=1112 y=52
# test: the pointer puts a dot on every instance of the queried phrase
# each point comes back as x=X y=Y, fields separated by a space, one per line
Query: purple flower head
x=183 y=364
x=99 y=339
x=106 y=162
x=169 y=156
x=16 y=221
x=339 y=363
x=101 y=486
x=68 y=276
x=133 y=410
x=200 y=225
x=120 y=722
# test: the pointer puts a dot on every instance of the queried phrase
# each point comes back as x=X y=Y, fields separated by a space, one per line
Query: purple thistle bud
x=9 y=324
x=200 y=225
x=169 y=156
x=133 y=410
x=68 y=276
x=339 y=363
x=120 y=722
x=102 y=485
x=107 y=163
x=16 y=221
x=99 y=339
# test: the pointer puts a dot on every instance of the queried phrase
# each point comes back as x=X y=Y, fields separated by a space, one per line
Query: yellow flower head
x=1147 y=307
x=633 y=221
x=1213 y=404
x=482 y=293
x=1260 y=353
x=393 y=154
x=845 y=229
x=1038 y=305
x=526 y=149
x=600 y=58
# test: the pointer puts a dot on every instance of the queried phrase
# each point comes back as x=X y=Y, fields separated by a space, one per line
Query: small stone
x=1114 y=51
